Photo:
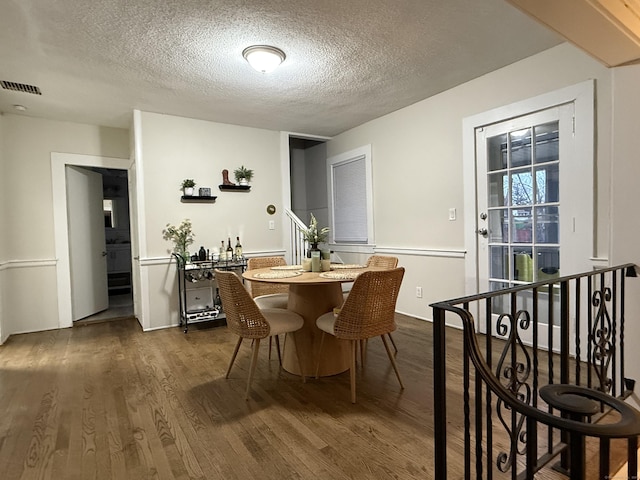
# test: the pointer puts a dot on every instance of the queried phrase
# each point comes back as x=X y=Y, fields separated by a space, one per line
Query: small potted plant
x=243 y=175
x=187 y=186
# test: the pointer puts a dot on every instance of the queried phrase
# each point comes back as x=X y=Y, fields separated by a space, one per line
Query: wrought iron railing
x=543 y=366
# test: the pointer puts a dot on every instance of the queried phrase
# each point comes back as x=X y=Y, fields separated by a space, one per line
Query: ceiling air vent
x=20 y=87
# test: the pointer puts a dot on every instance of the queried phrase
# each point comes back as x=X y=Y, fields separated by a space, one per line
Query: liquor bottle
x=223 y=255
x=202 y=254
x=229 y=251
x=217 y=302
x=238 y=249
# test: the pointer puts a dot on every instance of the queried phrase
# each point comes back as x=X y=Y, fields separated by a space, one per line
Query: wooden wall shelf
x=196 y=199
x=244 y=188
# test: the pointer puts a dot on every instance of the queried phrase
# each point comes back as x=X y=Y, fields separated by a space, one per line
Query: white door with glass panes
x=522 y=220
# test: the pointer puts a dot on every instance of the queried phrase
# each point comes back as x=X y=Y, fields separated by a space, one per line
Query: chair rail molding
x=35 y=263
x=423 y=252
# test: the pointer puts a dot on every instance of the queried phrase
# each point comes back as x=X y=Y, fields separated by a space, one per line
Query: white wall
x=316 y=184
x=298 y=182
x=3 y=206
x=417 y=167
x=28 y=249
x=625 y=217
x=175 y=148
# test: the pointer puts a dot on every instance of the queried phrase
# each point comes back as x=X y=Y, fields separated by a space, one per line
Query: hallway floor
x=120 y=306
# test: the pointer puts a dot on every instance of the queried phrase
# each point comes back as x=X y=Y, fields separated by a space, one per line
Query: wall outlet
x=272 y=225
x=419 y=292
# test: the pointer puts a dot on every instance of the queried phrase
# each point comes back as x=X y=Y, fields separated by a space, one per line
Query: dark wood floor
x=109 y=401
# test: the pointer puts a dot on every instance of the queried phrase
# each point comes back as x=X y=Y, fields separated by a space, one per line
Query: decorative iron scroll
x=601 y=338
x=513 y=371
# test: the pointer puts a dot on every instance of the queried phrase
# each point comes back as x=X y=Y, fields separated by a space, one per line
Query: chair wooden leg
x=233 y=357
x=270 y=340
x=352 y=371
x=295 y=344
x=393 y=360
x=278 y=348
x=363 y=351
x=393 y=343
x=252 y=368
x=319 y=354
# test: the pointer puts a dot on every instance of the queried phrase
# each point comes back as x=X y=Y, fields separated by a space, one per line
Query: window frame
x=363 y=152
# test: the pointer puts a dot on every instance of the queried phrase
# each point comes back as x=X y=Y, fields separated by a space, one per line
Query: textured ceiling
x=347 y=61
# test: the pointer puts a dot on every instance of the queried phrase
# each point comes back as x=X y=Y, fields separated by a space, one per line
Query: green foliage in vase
x=181 y=236
x=243 y=172
x=313 y=235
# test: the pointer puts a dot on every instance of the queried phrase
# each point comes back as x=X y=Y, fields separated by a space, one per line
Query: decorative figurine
x=225 y=178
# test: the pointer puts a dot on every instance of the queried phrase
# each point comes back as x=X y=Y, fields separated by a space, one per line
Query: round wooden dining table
x=311 y=295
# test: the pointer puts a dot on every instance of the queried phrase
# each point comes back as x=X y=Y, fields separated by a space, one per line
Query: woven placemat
x=345 y=266
x=277 y=274
x=344 y=275
x=287 y=267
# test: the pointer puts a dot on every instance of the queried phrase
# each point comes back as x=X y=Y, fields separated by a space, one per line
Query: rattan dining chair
x=383 y=261
x=368 y=312
x=246 y=320
x=269 y=295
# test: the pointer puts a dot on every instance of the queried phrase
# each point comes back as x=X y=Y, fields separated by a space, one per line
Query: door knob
x=482 y=231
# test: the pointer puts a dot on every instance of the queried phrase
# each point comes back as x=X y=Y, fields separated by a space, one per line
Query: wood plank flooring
x=108 y=401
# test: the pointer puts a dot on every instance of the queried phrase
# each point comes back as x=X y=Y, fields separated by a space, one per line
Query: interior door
x=520 y=207
x=87 y=248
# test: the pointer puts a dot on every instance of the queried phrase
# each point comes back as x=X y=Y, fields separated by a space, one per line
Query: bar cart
x=198 y=301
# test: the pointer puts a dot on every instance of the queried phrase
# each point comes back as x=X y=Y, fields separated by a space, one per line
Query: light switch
x=272 y=225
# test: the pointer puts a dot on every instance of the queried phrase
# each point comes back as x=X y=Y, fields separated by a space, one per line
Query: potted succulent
x=187 y=186
x=243 y=175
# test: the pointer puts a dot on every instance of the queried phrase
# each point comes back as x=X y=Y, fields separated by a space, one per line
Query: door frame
x=59 y=161
x=582 y=95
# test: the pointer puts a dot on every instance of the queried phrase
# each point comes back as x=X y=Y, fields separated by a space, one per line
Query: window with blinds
x=350 y=201
x=351 y=208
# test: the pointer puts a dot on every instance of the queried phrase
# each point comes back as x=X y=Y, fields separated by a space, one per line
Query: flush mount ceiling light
x=263 y=58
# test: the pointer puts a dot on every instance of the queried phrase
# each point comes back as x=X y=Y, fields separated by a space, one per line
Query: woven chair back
x=369 y=310
x=263 y=288
x=243 y=315
x=382 y=261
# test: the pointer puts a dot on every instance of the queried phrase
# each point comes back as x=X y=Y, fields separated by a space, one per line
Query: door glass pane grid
x=523 y=206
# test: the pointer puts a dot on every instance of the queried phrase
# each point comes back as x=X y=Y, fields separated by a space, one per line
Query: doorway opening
x=117 y=230
x=60 y=163
x=308 y=177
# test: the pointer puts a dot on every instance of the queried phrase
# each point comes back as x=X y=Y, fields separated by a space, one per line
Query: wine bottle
x=238 y=249
x=217 y=302
x=223 y=255
x=229 y=251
